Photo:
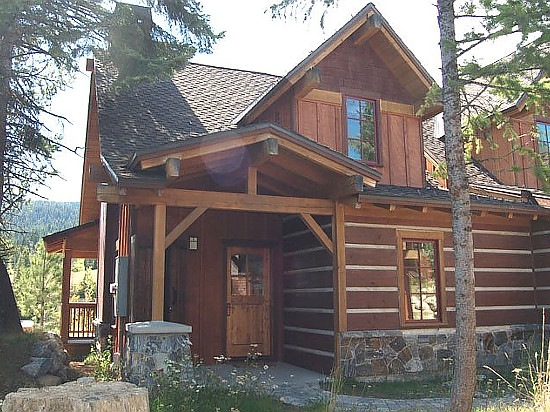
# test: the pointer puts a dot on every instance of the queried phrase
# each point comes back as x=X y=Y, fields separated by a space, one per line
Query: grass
x=15 y=351
x=433 y=388
x=217 y=399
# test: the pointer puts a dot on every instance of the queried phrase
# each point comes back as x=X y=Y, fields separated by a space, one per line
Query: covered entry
x=208 y=240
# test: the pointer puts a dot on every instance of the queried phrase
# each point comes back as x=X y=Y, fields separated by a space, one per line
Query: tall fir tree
x=40 y=43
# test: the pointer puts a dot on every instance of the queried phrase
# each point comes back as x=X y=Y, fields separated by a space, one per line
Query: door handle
x=228 y=309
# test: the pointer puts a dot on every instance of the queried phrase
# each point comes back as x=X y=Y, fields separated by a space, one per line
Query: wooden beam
x=159 y=239
x=172 y=168
x=97 y=173
x=311 y=80
x=199 y=150
x=263 y=151
x=351 y=201
x=339 y=281
x=183 y=225
x=369 y=29
x=215 y=200
x=252 y=181
x=347 y=186
x=318 y=231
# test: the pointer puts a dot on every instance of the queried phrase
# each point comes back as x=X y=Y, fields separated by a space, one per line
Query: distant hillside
x=39 y=218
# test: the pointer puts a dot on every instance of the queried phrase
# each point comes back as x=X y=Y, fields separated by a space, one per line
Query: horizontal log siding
x=540 y=241
x=505 y=288
x=308 y=310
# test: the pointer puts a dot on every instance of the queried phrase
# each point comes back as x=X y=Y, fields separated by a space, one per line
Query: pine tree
x=40 y=43
x=37 y=286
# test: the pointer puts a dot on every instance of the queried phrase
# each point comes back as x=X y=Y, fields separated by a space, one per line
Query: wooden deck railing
x=81 y=317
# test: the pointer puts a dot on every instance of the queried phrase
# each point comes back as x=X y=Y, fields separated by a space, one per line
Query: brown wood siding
x=503 y=266
x=89 y=206
x=499 y=154
x=540 y=241
x=358 y=71
x=321 y=122
x=280 y=112
x=202 y=273
x=308 y=320
x=360 y=68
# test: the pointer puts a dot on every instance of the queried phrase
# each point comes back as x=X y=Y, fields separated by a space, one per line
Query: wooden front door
x=248 y=301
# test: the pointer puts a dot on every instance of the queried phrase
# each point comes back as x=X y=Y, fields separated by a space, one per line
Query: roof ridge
x=233 y=69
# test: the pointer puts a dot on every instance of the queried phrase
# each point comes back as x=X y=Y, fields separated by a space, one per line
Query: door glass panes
x=361 y=129
x=247 y=274
x=421 y=280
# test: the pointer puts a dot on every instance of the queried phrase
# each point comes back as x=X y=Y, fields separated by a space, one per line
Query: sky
x=253 y=41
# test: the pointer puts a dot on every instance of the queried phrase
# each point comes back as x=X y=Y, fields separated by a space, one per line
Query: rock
x=49 y=380
x=50 y=346
x=80 y=397
x=37 y=367
x=398 y=344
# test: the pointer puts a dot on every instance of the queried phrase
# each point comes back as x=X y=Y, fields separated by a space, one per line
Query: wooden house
x=294 y=214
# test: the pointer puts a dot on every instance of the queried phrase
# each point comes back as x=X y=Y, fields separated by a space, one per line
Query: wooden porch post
x=159 y=235
x=339 y=280
x=65 y=292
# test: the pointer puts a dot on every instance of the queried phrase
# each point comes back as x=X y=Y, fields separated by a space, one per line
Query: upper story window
x=361 y=139
x=421 y=277
x=543 y=130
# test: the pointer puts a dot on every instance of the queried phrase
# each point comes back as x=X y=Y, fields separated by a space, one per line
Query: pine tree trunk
x=9 y=315
x=465 y=359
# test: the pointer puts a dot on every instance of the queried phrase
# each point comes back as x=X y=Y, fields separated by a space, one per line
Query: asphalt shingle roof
x=197 y=100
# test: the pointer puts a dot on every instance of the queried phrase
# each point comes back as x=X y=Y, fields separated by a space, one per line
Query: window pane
x=412 y=281
x=353 y=109
x=369 y=152
x=238 y=275
x=256 y=269
x=354 y=149
x=367 y=131
x=354 y=129
x=421 y=280
x=415 y=305
x=367 y=109
x=429 y=306
x=544 y=138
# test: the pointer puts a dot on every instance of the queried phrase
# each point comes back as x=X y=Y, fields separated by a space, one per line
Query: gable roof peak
x=363 y=26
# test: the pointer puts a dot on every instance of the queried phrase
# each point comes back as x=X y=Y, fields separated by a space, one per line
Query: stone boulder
x=48 y=357
x=84 y=395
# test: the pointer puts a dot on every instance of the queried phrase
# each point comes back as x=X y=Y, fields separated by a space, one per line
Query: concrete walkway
x=297 y=386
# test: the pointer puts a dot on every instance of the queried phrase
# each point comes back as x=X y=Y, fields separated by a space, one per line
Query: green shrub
x=102 y=363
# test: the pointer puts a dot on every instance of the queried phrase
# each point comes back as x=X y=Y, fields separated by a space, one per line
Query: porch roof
x=81 y=240
x=283 y=159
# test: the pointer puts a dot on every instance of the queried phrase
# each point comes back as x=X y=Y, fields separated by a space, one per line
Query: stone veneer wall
x=399 y=353
x=152 y=348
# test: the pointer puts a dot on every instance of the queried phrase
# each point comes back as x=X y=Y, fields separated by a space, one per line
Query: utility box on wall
x=121 y=281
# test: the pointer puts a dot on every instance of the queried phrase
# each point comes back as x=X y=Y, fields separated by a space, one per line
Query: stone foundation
x=401 y=353
x=152 y=348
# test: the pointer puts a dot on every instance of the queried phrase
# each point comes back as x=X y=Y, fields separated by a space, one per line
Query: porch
x=232 y=241
x=77 y=316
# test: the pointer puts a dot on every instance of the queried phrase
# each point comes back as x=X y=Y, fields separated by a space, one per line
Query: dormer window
x=543 y=130
x=361 y=133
